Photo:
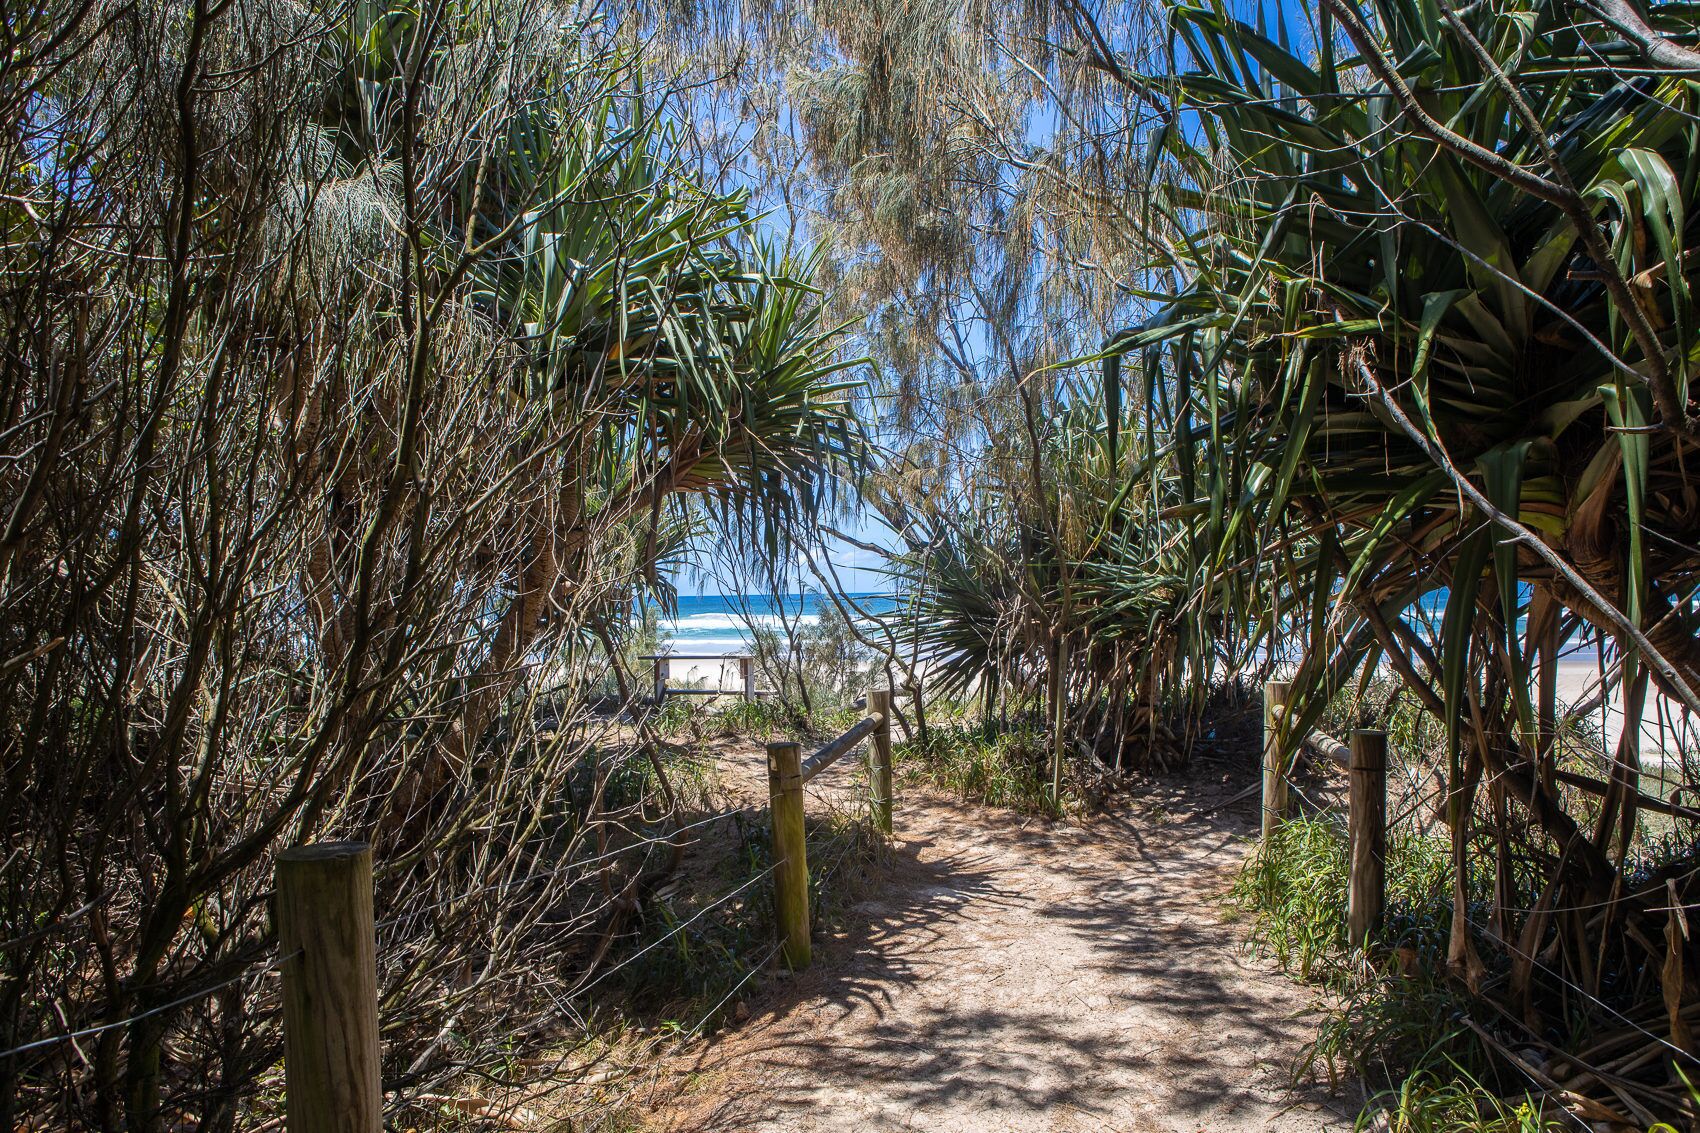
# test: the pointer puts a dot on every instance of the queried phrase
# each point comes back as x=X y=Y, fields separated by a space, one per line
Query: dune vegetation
x=375 y=375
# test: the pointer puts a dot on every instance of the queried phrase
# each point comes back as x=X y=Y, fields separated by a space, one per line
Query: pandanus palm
x=997 y=588
x=1406 y=262
x=668 y=356
x=686 y=355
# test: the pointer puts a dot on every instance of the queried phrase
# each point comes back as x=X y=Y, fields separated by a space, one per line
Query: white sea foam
x=723 y=625
x=716 y=625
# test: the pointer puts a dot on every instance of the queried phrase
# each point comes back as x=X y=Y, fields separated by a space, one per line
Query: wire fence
x=180 y=1001
x=566 y=868
x=1283 y=782
x=528 y=886
x=567 y=865
x=673 y=932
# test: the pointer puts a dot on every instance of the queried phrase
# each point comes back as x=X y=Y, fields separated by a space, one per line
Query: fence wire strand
x=86 y=1032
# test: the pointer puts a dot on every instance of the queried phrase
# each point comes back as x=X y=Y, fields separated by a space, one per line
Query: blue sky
x=857 y=567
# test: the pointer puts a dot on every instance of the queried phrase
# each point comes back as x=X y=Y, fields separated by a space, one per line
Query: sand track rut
x=1021 y=975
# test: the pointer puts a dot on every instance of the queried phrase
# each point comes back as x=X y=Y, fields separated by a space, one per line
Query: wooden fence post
x=332 y=1080
x=790 y=851
x=747 y=670
x=1274 y=773
x=660 y=681
x=1366 y=824
x=879 y=700
x=1059 y=713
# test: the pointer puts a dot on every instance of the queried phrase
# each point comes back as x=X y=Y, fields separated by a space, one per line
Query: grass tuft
x=758 y=719
x=996 y=764
x=1296 y=885
x=1390 y=1019
x=1457 y=1103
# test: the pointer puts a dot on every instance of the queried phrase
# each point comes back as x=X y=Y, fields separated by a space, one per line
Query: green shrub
x=1428 y=1103
x=758 y=719
x=676 y=717
x=989 y=762
x=1390 y=1016
x=1394 y=1025
x=1296 y=887
x=1295 y=883
x=691 y=774
x=828 y=723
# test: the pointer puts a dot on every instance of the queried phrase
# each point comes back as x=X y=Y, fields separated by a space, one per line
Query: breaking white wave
x=717 y=624
x=713 y=623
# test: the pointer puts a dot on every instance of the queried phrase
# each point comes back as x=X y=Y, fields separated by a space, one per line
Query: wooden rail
x=832 y=751
x=787 y=774
x=658 y=662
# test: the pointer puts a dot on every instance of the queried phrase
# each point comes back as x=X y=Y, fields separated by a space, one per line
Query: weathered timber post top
x=326 y=937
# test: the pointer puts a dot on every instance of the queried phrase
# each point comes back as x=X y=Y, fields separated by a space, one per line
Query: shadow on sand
x=1050 y=976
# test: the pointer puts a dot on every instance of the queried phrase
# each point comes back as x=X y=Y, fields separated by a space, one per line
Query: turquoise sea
x=716 y=623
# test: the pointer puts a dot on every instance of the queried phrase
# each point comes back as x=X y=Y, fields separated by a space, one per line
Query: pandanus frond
x=648 y=304
x=1338 y=251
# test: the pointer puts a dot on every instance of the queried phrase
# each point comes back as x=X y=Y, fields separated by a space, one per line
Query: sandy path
x=1011 y=975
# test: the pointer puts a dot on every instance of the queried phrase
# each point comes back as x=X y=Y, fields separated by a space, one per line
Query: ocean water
x=715 y=623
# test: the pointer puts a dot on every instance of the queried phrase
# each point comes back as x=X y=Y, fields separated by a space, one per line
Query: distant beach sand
x=1666 y=726
x=722 y=674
